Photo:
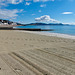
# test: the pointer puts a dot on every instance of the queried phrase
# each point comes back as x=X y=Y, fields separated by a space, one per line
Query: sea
x=62 y=29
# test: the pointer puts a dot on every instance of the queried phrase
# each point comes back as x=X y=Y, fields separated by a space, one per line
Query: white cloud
x=43 y=5
x=33 y=14
x=6 y=2
x=42 y=0
x=39 y=11
x=45 y=18
x=6 y=14
x=14 y=1
x=21 y=10
x=27 y=3
x=3 y=4
x=73 y=23
x=67 y=13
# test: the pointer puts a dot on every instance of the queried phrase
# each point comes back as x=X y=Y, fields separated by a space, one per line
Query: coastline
x=52 y=34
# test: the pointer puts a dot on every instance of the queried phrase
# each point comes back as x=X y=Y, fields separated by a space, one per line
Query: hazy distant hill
x=7 y=22
x=45 y=24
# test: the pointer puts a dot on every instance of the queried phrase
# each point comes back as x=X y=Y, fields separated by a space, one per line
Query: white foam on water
x=52 y=34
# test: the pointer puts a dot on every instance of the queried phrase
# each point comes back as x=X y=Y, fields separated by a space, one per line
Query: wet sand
x=25 y=53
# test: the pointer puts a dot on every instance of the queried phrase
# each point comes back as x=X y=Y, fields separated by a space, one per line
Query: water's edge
x=51 y=34
x=60 y=29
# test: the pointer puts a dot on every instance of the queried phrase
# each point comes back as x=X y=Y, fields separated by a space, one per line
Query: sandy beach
x=32 y=53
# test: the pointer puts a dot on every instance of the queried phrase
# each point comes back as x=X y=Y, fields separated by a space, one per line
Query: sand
x=32 y=53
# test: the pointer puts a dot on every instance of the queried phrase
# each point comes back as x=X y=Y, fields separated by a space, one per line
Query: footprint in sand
x=52 y=41
x=21 y=39
x=12 y=42
x=10 y=38
x=38 y=40
x=74 y=41
x=16 y=69
x=6 y=38
x=48 y=41
x=31 y=45
x=33 y=39
x=0 y=68
x=6 y=42
x=18 y=39
x=42 y=40
x=25 y=39
x=30 y=39
x=25 y=44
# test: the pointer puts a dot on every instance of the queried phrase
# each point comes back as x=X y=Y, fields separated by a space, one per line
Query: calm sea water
x=63 y=29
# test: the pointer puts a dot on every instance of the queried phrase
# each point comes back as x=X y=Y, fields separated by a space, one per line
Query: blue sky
x=28 y=11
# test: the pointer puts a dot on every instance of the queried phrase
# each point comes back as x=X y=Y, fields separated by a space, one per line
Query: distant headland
x=7 y=22
x=45 y=24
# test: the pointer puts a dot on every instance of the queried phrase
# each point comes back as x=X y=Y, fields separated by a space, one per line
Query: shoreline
x=52 y=34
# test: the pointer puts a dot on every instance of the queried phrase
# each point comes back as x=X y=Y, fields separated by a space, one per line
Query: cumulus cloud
x=6 y=2
x=12 y=13
x=21 y=10
x=45 y=18
x=39 y=11
x=27 y=3
x=67 y=13
x=39 y=0
x=15 y=1
x=42 y=0
x=43 y=5
x=33 y=14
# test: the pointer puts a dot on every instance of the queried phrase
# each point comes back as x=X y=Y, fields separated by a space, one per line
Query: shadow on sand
x=28 y=29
